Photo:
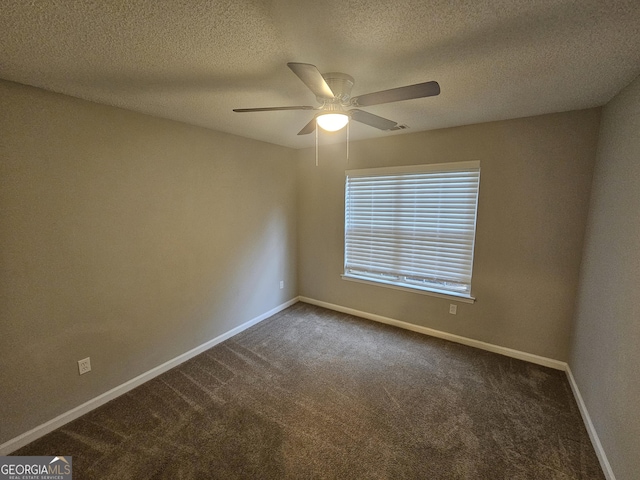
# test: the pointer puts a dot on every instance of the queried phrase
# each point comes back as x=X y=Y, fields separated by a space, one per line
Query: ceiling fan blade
x=419 y=90
x=273 y=109
x=309 y=127
x=372 y=120
x=312 y=78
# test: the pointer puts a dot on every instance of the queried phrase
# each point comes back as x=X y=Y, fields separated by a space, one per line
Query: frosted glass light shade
x=332 y=122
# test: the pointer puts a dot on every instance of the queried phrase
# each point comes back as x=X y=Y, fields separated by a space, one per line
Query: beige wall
x=535 y=179
x=605 y=355
x=129 y=239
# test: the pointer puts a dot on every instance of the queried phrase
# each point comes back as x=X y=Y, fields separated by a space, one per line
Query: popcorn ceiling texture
x=196 y=60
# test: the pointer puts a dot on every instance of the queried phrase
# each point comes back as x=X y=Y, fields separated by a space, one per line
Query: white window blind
x=413 y=226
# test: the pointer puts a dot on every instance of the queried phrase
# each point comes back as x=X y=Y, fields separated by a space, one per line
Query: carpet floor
x=312 y=393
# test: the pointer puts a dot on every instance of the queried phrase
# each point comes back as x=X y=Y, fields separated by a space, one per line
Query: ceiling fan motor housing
x=340 y=84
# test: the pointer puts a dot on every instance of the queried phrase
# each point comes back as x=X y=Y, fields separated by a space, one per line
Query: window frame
x=466 y=297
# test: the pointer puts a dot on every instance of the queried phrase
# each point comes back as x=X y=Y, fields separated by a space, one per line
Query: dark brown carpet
x=311 y=393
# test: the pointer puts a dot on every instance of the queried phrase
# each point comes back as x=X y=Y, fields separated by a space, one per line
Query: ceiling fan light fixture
x=332 y=122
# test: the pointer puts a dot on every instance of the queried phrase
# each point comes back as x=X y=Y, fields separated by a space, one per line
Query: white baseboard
x=41 y=430
x=591 y=429
x=528 y=357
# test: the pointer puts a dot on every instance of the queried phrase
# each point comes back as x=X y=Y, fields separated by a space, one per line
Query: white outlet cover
x=453 y=309
x=84 y=365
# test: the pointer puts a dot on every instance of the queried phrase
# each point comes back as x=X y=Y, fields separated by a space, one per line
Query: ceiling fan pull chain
x=317 y=146
x=348 y=145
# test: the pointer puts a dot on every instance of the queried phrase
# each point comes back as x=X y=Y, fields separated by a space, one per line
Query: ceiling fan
x=333 y=92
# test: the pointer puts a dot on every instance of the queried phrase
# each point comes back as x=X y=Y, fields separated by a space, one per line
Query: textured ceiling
x=196 y=60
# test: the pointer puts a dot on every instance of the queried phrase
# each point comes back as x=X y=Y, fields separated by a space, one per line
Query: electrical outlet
x=453 y=309
x=84 y=365
x=281 y=284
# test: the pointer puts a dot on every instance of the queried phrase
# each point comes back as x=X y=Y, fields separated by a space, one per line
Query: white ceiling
x=196 y=60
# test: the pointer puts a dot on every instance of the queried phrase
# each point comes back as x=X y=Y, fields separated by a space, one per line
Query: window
x=412 y=227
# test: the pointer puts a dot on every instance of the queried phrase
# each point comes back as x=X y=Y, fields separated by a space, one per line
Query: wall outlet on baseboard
x=453 y=309
x=84 y=365
x=281 y=284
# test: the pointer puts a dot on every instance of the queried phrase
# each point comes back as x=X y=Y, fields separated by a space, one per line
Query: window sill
x=450 y=296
